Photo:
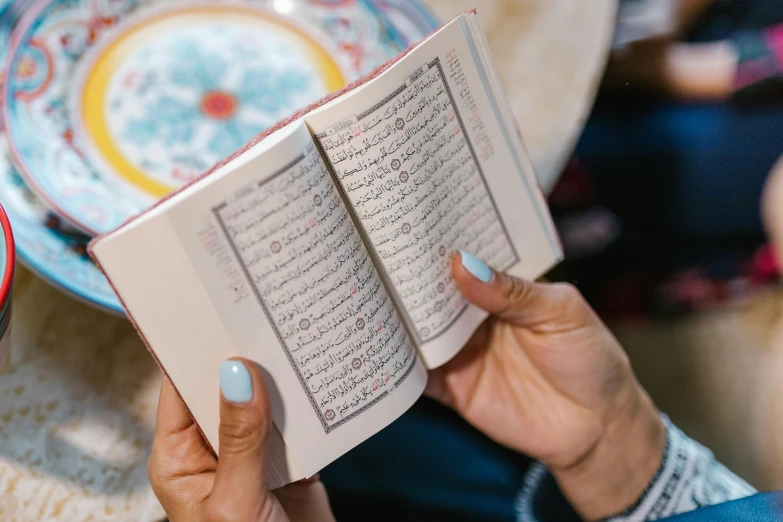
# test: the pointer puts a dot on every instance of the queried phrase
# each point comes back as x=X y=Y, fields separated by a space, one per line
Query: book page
x=291 y=285
x=429 y=169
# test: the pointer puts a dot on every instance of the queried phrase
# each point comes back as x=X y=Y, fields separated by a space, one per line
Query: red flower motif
x=219 y=105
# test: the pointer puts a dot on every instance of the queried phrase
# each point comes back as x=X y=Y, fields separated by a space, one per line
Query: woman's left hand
x=544 y=376
x=195 y=486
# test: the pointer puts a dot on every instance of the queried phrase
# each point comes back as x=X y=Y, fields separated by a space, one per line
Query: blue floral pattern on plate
x=54 y=253
x=188 y=97
x=57 y=254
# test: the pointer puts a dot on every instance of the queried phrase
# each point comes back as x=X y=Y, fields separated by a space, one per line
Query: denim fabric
x=766 y=507
x=728 y=16
x=683 y=171
x=428 y=465
x=551 y=506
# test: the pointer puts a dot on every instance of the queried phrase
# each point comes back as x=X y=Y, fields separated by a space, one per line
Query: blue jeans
x=680 y=173
x=683 y=172
x=428 y=465
x=725 y=17
x=684 y=180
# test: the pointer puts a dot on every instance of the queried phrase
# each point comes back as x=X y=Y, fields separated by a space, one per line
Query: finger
x=245 y=421
x=436 y=388
x=305 y=500
x=170 y=448
x=172 y=416
x=524 y=303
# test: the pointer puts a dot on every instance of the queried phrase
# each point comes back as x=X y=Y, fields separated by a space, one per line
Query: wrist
x=613 y=476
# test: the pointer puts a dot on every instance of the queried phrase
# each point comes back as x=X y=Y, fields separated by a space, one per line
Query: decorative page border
x=409 y=81
x=324 y=423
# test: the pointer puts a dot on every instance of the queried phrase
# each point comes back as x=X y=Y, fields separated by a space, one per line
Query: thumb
x=542 y=306
x=245 y=422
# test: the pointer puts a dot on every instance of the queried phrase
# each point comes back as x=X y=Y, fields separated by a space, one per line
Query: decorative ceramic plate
x=112 y=104
x=56 y=254
x=4 y=5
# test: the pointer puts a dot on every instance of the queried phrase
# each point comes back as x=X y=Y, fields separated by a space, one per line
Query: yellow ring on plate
x=98 y=79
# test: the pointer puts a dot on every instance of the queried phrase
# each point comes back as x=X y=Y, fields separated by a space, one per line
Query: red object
x=774 y=37
x=219 y=105
x=765 y=265
x=6 y=282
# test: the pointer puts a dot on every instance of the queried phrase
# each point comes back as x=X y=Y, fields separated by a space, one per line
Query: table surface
x=551 y=55
x=80 y=390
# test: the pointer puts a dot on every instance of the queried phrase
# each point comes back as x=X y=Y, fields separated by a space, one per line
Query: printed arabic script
x=416 y=186
x=313 y=276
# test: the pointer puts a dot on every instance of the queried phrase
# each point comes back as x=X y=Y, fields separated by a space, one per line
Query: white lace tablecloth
x=78 y=400
x=77 y=413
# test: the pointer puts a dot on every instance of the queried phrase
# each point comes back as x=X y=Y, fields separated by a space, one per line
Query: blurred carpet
x=719 y=376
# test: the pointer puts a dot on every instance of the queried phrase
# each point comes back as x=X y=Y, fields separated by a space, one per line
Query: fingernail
x=476 y=267
x=235 y=382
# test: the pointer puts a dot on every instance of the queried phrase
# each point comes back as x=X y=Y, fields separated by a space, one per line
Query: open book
x=322 y=250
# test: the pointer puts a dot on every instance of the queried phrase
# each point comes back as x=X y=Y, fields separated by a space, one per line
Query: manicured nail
x=235 y=382
x=476 y=267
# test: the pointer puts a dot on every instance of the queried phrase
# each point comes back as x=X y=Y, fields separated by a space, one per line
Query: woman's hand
x=193 y=485
x=544 y=376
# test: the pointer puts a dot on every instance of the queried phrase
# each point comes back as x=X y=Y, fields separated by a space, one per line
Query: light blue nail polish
x=235 y=382
x=476 y=267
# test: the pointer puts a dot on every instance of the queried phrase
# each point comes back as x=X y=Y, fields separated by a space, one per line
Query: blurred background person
x=659 y=212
